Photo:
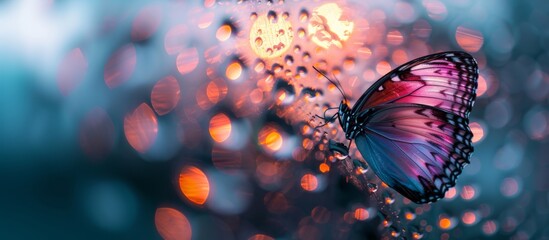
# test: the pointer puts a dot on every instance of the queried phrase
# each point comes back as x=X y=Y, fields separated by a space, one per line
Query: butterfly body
x=411 y=126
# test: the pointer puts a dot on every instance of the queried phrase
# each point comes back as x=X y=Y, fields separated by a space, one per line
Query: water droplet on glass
x=372 y=187
x=388 y=198
x=361 y=167
x=339 y=150
x=395 y=232
x=258 y=41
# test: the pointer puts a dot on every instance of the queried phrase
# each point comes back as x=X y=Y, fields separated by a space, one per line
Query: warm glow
x=223 y=33
x=212 y=91
x=260 y=237
x=468 y=192
x=394 y=38
x=445 y=223
x=383 y=67
x=270 y=38
x=220 y=127
x=187 y=60
x=451 y=193
x=234 y=70
x=165 y=95
x=478 y=131
x=120 y=66
x=270 y=138
x=172 y=224
x=273 y=141
x=141 y=128
x=330 y=26
x=256 y=96
x=324 y=168
x=361 y=214
x=469 y=218
x=309 y=182
x=469 y=39
x=194 y=185
x=482 y=86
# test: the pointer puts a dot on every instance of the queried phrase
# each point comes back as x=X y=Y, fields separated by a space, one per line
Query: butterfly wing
x=416 y=150
x=447 y=81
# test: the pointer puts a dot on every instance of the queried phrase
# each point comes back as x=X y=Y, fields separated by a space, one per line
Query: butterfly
x=412 y=125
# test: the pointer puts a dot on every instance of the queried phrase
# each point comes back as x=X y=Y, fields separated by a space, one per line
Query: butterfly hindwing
x=446 y=81
x=417 y=150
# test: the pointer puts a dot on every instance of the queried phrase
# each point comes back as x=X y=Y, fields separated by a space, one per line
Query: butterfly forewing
x=447 y=81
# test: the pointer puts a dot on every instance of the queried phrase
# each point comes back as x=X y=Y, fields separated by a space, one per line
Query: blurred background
x=194 y=119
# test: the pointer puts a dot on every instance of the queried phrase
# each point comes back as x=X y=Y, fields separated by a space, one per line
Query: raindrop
x=289 y=60
x=339 y=150
x=372 y=187
x=361 y=167
x=258 y=41
x=388 y=198
x=395 y=232
x=284 y=92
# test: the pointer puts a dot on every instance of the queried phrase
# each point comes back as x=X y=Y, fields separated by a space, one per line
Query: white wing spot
x=380 y=88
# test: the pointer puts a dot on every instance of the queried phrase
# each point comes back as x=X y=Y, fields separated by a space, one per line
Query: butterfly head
x=344 y=116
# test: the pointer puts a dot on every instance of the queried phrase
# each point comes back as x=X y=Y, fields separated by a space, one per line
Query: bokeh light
x=172 y=224
x=194 y=185
x=207 y=113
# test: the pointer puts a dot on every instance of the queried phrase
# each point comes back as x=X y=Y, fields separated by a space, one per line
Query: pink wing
x=419 y=151
x=446 y=81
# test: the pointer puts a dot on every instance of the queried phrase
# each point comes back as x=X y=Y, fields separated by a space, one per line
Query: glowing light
x=260 y=237
x=445 y=223
x=187 y=60
x=469 y=218
x=361 y=214
x=395 y=38
x=165 y=95
x=482 y=86
x=120 y=66
x=509 y=187
x=194 y=185
x=383 y=67
x=478 y=131
x=172 y=224
x=468 y=192
x=270 y=138
x=223 y=33
x=324 y=168
x=435 y=9
x=400 y=57
x=309 y=182
x=329 y=27
x=256 y=96
x=141 y=128
x=364 y=53
x=71 y=71
x=270 y=38
x=450 y=194
x=234 y=70
x=216 y=91
x=469 y=39
x=220 y=127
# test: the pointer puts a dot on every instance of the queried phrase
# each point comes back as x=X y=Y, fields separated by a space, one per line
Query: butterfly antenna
x=338 y=86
